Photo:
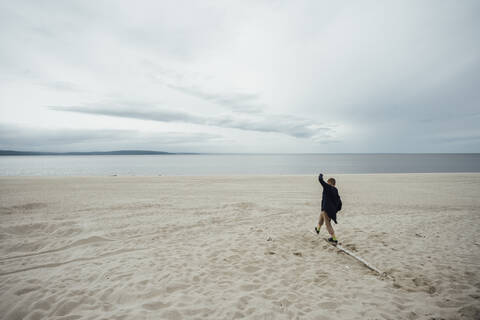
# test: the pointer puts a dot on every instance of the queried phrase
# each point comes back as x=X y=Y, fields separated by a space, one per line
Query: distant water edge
x=225 y=164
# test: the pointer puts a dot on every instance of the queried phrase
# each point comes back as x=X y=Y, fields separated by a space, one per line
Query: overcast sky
x=240 y=76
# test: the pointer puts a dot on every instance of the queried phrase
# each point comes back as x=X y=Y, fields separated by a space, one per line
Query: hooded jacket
x=331 y=202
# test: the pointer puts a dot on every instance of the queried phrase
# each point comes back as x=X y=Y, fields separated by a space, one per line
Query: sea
x=235 y=164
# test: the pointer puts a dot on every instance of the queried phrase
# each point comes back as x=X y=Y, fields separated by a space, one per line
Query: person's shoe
x=317 y=230
x=332 y=241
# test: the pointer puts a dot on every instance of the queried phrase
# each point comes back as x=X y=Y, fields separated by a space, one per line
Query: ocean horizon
x=237 y=163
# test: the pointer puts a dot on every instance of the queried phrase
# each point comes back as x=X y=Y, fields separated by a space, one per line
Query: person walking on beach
x=331 y=204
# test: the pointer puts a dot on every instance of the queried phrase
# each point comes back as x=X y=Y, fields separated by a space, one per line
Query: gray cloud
x=239 y=102
x=135 y=113
x=243 y=102
x=14 y=137
x=289 y=125
x=11 y=135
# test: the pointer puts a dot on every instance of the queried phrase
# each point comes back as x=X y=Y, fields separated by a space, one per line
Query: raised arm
x=320 y=179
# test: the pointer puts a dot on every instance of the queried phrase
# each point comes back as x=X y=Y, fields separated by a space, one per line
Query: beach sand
x=238 y=246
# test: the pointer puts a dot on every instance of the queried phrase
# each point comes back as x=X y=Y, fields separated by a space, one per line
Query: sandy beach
x=228 y=247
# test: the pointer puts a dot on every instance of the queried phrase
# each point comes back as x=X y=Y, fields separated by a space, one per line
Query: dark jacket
x=331 y=202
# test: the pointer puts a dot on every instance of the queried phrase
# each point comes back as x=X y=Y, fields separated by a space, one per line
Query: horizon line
x=154 y=152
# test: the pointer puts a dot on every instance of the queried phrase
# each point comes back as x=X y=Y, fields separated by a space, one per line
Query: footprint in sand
x=171 y=315
x=249 y=287
x=328 y=305
x=26 y=290
x=470 y=312
x=351 y=247
x=176 y=287
x=155 y=305
x=251 y=269
x=425 y=285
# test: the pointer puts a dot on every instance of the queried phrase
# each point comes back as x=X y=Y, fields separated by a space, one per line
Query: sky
x=240 y=76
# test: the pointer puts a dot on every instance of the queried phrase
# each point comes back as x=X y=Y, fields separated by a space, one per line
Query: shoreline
x=233 y=164
x=243 y=175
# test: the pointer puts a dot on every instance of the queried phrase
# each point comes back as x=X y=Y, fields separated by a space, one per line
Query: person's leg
x=329 y=227
x=320 y=220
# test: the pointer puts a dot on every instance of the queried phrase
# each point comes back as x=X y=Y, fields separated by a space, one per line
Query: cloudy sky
x=240 y=76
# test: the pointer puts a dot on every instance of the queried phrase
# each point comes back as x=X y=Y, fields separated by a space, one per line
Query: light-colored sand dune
x=233 y=247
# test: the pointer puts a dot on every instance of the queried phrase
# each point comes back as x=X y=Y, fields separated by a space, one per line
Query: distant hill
x=91 y=153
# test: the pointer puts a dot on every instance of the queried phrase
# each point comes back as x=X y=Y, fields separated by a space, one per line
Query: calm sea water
x=223 y=164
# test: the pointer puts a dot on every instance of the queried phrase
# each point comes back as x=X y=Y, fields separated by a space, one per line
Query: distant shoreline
x=90 y=153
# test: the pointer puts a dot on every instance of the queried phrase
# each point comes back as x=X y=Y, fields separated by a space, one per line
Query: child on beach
x=331 y=204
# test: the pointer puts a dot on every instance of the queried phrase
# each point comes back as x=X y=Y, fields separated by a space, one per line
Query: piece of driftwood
x=353 y=255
